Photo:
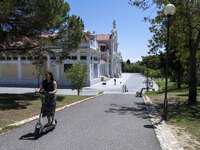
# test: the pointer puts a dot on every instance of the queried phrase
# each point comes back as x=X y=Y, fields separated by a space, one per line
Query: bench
x=139 y=94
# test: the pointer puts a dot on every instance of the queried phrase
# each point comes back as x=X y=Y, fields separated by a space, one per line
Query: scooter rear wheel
x=37 y=132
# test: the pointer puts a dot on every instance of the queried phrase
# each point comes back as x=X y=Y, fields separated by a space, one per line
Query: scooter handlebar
x=42 y=92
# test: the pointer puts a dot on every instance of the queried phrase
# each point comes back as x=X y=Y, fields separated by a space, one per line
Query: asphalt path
x=107 y=122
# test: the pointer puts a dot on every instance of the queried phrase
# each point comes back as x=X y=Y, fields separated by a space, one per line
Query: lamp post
x=147 y=81
x=169 y=11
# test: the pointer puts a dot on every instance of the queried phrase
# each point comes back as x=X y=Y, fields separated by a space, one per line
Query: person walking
x=115 y=81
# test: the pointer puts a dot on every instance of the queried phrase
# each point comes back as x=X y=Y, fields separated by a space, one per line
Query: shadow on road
x=150 y=126
x=28 y=136
x=138 y=110
x=32 y=136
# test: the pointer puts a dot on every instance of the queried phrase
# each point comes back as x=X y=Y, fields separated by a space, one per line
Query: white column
x=0 y=69
x=78 y=56
x=57 y=72
x=48 y=62
x=19 y=68
x=112 y=60
x=89 y=65
x=99 y=70
x=107 y=68
x=92 y=67
x=57 y=69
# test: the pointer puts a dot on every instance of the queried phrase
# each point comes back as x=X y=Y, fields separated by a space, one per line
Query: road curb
x=165 y=137
x=58 y=109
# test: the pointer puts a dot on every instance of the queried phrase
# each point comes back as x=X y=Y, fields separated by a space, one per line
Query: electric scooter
x=39 y=127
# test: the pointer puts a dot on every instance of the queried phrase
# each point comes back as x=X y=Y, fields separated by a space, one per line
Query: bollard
x=123 y=88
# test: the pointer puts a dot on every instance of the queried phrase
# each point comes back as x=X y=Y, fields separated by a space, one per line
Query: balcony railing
x=91 y=44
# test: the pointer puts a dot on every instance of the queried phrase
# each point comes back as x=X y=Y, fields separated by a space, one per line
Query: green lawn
x=179 y=112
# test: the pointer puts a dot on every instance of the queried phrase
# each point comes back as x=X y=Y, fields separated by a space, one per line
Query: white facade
x=111 y=57
x=101 y=62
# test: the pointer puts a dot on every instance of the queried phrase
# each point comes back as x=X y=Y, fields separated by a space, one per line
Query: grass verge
x=179 y=113
x=16 y=107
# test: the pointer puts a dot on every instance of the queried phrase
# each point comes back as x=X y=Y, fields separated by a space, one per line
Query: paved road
x=108 y=122
x=134 y=83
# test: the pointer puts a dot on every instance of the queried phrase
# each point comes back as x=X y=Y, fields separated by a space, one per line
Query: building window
x=74 y=57
x=53 y=58
x=103 y=48
x=66 y=67
x=15 y=58
x=8 y=58
x=23 y=58
x=83 y=57
x=29 y=58
x=3 y=58
x=95 y=70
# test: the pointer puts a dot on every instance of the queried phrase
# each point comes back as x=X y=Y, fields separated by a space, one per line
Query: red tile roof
x=103 y=37
x=86 y=36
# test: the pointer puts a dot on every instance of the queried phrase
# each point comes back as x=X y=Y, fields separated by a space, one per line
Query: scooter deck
x=51 y=127
x=41 y=130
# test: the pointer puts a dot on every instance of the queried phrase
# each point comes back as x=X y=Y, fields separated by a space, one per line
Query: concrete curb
x=58 y=109
x=167 y=140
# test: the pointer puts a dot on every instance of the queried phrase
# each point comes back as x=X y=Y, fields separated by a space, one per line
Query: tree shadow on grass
x=180 y=110
x=183 y=91
x=60 y=98
x=20 y=101
x=139 y=109
x=16 y=101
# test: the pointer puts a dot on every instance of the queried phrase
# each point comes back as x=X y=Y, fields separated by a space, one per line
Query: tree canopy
x=27 y=25
x=184 y=33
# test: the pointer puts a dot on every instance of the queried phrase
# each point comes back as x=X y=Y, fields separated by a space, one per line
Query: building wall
x=28 y=71
x=62 y=73
x=9 y=71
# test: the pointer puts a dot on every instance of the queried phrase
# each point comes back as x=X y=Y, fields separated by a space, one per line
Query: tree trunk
x=179 y=75
x=193 y=47
x=192 y=99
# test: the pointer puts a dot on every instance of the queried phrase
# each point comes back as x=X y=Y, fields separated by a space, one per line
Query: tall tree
x=128 y=62
x=28 y=25
x=185 y=32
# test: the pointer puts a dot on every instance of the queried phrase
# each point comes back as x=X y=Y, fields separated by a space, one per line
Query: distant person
x=114 y=81
x=49 y=85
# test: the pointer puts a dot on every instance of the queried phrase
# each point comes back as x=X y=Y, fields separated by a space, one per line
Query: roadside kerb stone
x=167 y=140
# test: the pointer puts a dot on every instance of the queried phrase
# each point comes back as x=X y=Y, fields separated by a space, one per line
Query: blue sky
x=133 y=32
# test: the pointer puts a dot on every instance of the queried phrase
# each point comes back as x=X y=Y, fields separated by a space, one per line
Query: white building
x=98 y=51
